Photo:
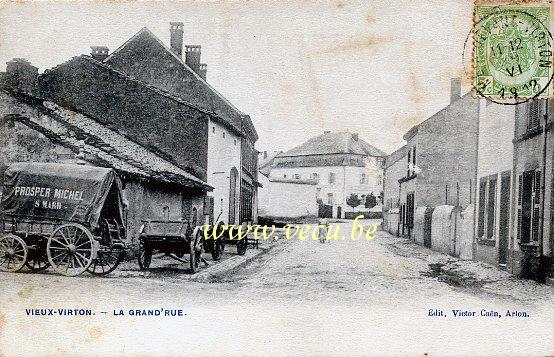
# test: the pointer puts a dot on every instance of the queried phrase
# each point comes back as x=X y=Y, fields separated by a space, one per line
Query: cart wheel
x=241 y=246
x=217 y=245
x=144 y=258
x=195 y=246
x=71 y=249
x=13 y=253
x=37 y=260
x=106 y=261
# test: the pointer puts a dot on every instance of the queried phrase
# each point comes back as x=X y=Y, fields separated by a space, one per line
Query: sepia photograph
x=277 y=178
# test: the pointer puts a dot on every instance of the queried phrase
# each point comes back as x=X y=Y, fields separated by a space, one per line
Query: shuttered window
x=528 y=206
x=491 y=211
x=482 y=205
x=536 y=206
x=533 y=119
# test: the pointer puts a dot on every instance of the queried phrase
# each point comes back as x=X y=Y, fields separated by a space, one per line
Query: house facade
x=532 y=248
x=217 y=142
x=494 y=183
x=340 y=163
x=439 y=160
x=394 y=170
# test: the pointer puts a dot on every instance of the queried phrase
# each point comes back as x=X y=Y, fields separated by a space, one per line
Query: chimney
x=203 y=70
x=455 y=89
x=192 y=57
x=355 y=136
x=99 y=53
x=21 y=74
x=176 y=40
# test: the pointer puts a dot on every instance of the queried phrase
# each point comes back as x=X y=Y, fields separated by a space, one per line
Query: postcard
x=277 y=178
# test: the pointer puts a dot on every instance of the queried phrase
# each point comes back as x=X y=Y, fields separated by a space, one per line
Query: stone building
x=533 y=199
x=440 y=160
x=340 y=163
x=32 y=129
x=217 y=144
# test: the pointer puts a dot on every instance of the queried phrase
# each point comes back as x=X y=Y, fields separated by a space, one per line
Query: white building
x=340 y=164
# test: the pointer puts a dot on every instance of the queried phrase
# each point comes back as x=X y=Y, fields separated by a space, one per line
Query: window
x=528 y=206
x=363 y=178
x=223 y=135
x=533 y=118
x=411 y=161
x=297 y=176
x=329 y=198
x=284 y=175
x=379 y=180
x=315 y=176
x=213 y=129
x=487 y=207
x=331 y=177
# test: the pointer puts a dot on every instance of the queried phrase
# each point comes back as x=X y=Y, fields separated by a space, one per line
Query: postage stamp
x=512 y=52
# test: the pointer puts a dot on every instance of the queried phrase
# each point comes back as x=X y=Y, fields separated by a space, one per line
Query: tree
x=370 y=201
x=353 y=200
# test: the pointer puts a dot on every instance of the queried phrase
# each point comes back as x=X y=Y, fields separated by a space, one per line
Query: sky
x=296 y=67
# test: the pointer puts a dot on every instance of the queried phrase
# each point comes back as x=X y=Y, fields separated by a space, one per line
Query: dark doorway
x=504 y=222
x=339 y=212
x=427 y=221
x=325 y=211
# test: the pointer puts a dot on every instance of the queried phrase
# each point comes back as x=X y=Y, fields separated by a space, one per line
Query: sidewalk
x=468 y=274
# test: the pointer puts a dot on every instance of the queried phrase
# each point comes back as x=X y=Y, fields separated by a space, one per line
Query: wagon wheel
x=195 y=249
x=13 y=253
x=107 y=259
x=71 y=249
x=217 y=245
x=144 y=257
x=37 y=260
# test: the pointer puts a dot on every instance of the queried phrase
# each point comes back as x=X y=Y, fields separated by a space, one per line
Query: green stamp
x=512 y=53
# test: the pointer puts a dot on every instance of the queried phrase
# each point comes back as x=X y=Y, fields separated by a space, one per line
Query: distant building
x=340 y=164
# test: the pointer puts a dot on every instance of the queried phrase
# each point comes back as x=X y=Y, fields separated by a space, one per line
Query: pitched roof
x=83 y=134
x=334 y=143
x=396 y=155
x=181 y=81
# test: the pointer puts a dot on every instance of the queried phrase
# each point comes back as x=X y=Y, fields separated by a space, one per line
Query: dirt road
x=290 y=297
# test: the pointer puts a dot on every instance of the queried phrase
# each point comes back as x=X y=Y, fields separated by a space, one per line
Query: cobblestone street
x=337 y=298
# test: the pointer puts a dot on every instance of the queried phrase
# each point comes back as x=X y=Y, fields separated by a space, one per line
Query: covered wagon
x=66 y=216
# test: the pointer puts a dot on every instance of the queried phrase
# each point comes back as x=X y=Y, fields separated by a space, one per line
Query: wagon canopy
x=67 y=192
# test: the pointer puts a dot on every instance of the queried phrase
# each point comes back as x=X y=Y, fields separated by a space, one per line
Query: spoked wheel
x=37 y=260
x=217 y=245
x=145 y=257
x=107 y=259
x=71 y=249
x=13 y=253
x=195 y=245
